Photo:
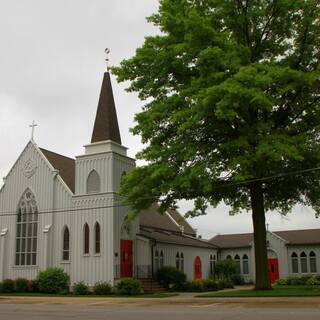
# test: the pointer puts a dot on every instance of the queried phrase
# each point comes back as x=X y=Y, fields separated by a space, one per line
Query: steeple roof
x=106 y=124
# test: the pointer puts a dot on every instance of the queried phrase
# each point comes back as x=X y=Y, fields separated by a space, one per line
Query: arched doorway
x=273 y=266
x=197 y=269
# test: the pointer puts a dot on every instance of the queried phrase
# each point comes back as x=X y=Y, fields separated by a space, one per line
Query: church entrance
x=197 y=269
x=126 y=261
x=273 y=270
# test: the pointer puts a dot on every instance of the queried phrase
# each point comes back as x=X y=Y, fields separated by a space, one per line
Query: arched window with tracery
x=229 y=257
x=97 y=235
x=303 y=262
x=313 y=262
x=93 y=182
x=86 y=239
x=245 y=264
x=66 y=244
x=237 y=261
x=178 y=260
x=294 y=263
x=27 y=230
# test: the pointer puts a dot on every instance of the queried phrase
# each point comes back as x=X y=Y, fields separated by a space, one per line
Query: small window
x=313 y=262
x=161 y=262
x=245 y=264
x=181 y=261
x=303 y=263
x=86 y=236
x=294 y=263
x=66 y=244
x=93 y=182
x=178 y=260
x=97 y=238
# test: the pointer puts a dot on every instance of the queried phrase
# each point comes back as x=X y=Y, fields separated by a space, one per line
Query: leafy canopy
x=232 y=93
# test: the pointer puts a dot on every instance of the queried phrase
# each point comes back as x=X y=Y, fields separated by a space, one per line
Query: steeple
x=106 y=123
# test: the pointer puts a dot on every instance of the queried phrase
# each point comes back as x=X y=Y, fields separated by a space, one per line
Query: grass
x=278 y=291
x=28 y=294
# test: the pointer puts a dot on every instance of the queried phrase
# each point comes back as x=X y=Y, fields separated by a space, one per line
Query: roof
x=232 y=240
x=65 y=166
x=106 y=124
x=293 y=237
x=172 y=238
x=151 y=218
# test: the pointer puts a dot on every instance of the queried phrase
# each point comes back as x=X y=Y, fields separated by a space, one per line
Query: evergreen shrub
x=21 y=285
x=129 y=287
x=53 y=280
x=8 y=286
x=81 y=289
x=102 y=288
x=171 y=277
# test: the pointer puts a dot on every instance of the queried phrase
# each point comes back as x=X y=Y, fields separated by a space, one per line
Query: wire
x=226 y=185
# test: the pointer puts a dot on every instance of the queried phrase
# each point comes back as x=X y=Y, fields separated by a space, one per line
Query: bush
x=313 y=281
x=7 y=286
x=171 y=276
x=102 y=288
x=228 y=284
x=81 y=289
x=283 y=282
x=237 y=279
x=129 y=287
x=210 y=285
x=53 y=280
x=295 y=281
x=32 y=286
x=226 y=269
x=194 y=286
x=21 y=285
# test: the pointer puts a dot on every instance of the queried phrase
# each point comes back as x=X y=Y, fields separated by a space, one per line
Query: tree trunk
x=260 y=237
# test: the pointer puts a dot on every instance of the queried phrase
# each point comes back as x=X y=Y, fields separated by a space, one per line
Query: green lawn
x=278 y=291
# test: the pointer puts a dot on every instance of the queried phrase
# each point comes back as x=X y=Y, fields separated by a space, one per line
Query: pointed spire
x=106 y=123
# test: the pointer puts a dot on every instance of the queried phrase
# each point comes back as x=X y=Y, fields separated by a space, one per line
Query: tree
x=231 y=109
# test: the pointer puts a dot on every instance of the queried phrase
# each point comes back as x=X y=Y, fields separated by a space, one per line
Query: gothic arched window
x=237 y=261
x=181 y=261
x=161 y=260
x=93 y=182
x=313 y=262
x=245 y=264
x=178 y=260
x=97 y=238
x=86 y=238
x=294 y=263
x=66 y=244
x=156 y=261
x=303 y=262
x=27 y=230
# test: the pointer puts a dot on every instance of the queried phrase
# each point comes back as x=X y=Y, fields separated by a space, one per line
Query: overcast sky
x=51 y=68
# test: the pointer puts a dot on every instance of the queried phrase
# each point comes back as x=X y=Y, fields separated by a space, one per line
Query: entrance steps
x=151 y=286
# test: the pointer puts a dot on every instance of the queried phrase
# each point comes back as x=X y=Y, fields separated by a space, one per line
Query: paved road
x=154 y=311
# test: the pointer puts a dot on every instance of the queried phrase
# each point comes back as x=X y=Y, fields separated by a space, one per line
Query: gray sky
x=51 y=68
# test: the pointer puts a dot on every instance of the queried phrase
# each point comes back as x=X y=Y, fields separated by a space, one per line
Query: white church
x=56 y=211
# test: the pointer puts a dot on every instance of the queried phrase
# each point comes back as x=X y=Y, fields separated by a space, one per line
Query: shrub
x=129 y=287
x=228 y=284
x=53 y=280
x=226 y=269
x=313 y=281
x=21 y=285
x=237 y=279
x=295 y=281
x=210 y=285
x=81 y=289
x=171 y=276
x=8 y=286
x=220 y=284
x=283 y=282
x=194 y=286
x=102 y=288
x=32 y=286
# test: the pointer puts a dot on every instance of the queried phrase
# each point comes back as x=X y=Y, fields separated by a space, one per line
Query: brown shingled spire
x=106 y=123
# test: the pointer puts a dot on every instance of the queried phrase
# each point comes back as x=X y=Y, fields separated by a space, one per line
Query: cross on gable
x=32 y=126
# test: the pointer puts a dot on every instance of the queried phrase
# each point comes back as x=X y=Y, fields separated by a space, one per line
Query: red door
x=273 y=270
x=197 y=269
x=126 y=258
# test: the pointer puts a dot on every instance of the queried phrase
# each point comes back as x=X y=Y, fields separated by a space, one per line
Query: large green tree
x=231 y=94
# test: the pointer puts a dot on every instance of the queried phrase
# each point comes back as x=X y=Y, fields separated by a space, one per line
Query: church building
x=56 y=211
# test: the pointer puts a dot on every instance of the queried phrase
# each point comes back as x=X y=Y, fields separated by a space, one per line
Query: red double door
x=126 y=258
x=273 y=270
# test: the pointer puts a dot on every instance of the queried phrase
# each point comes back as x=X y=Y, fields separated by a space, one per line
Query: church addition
x=56 y=211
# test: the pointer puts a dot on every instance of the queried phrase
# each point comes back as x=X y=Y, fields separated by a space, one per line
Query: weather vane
x=107 y=52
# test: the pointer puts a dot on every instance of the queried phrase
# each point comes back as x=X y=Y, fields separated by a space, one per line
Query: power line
x=226 y=185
